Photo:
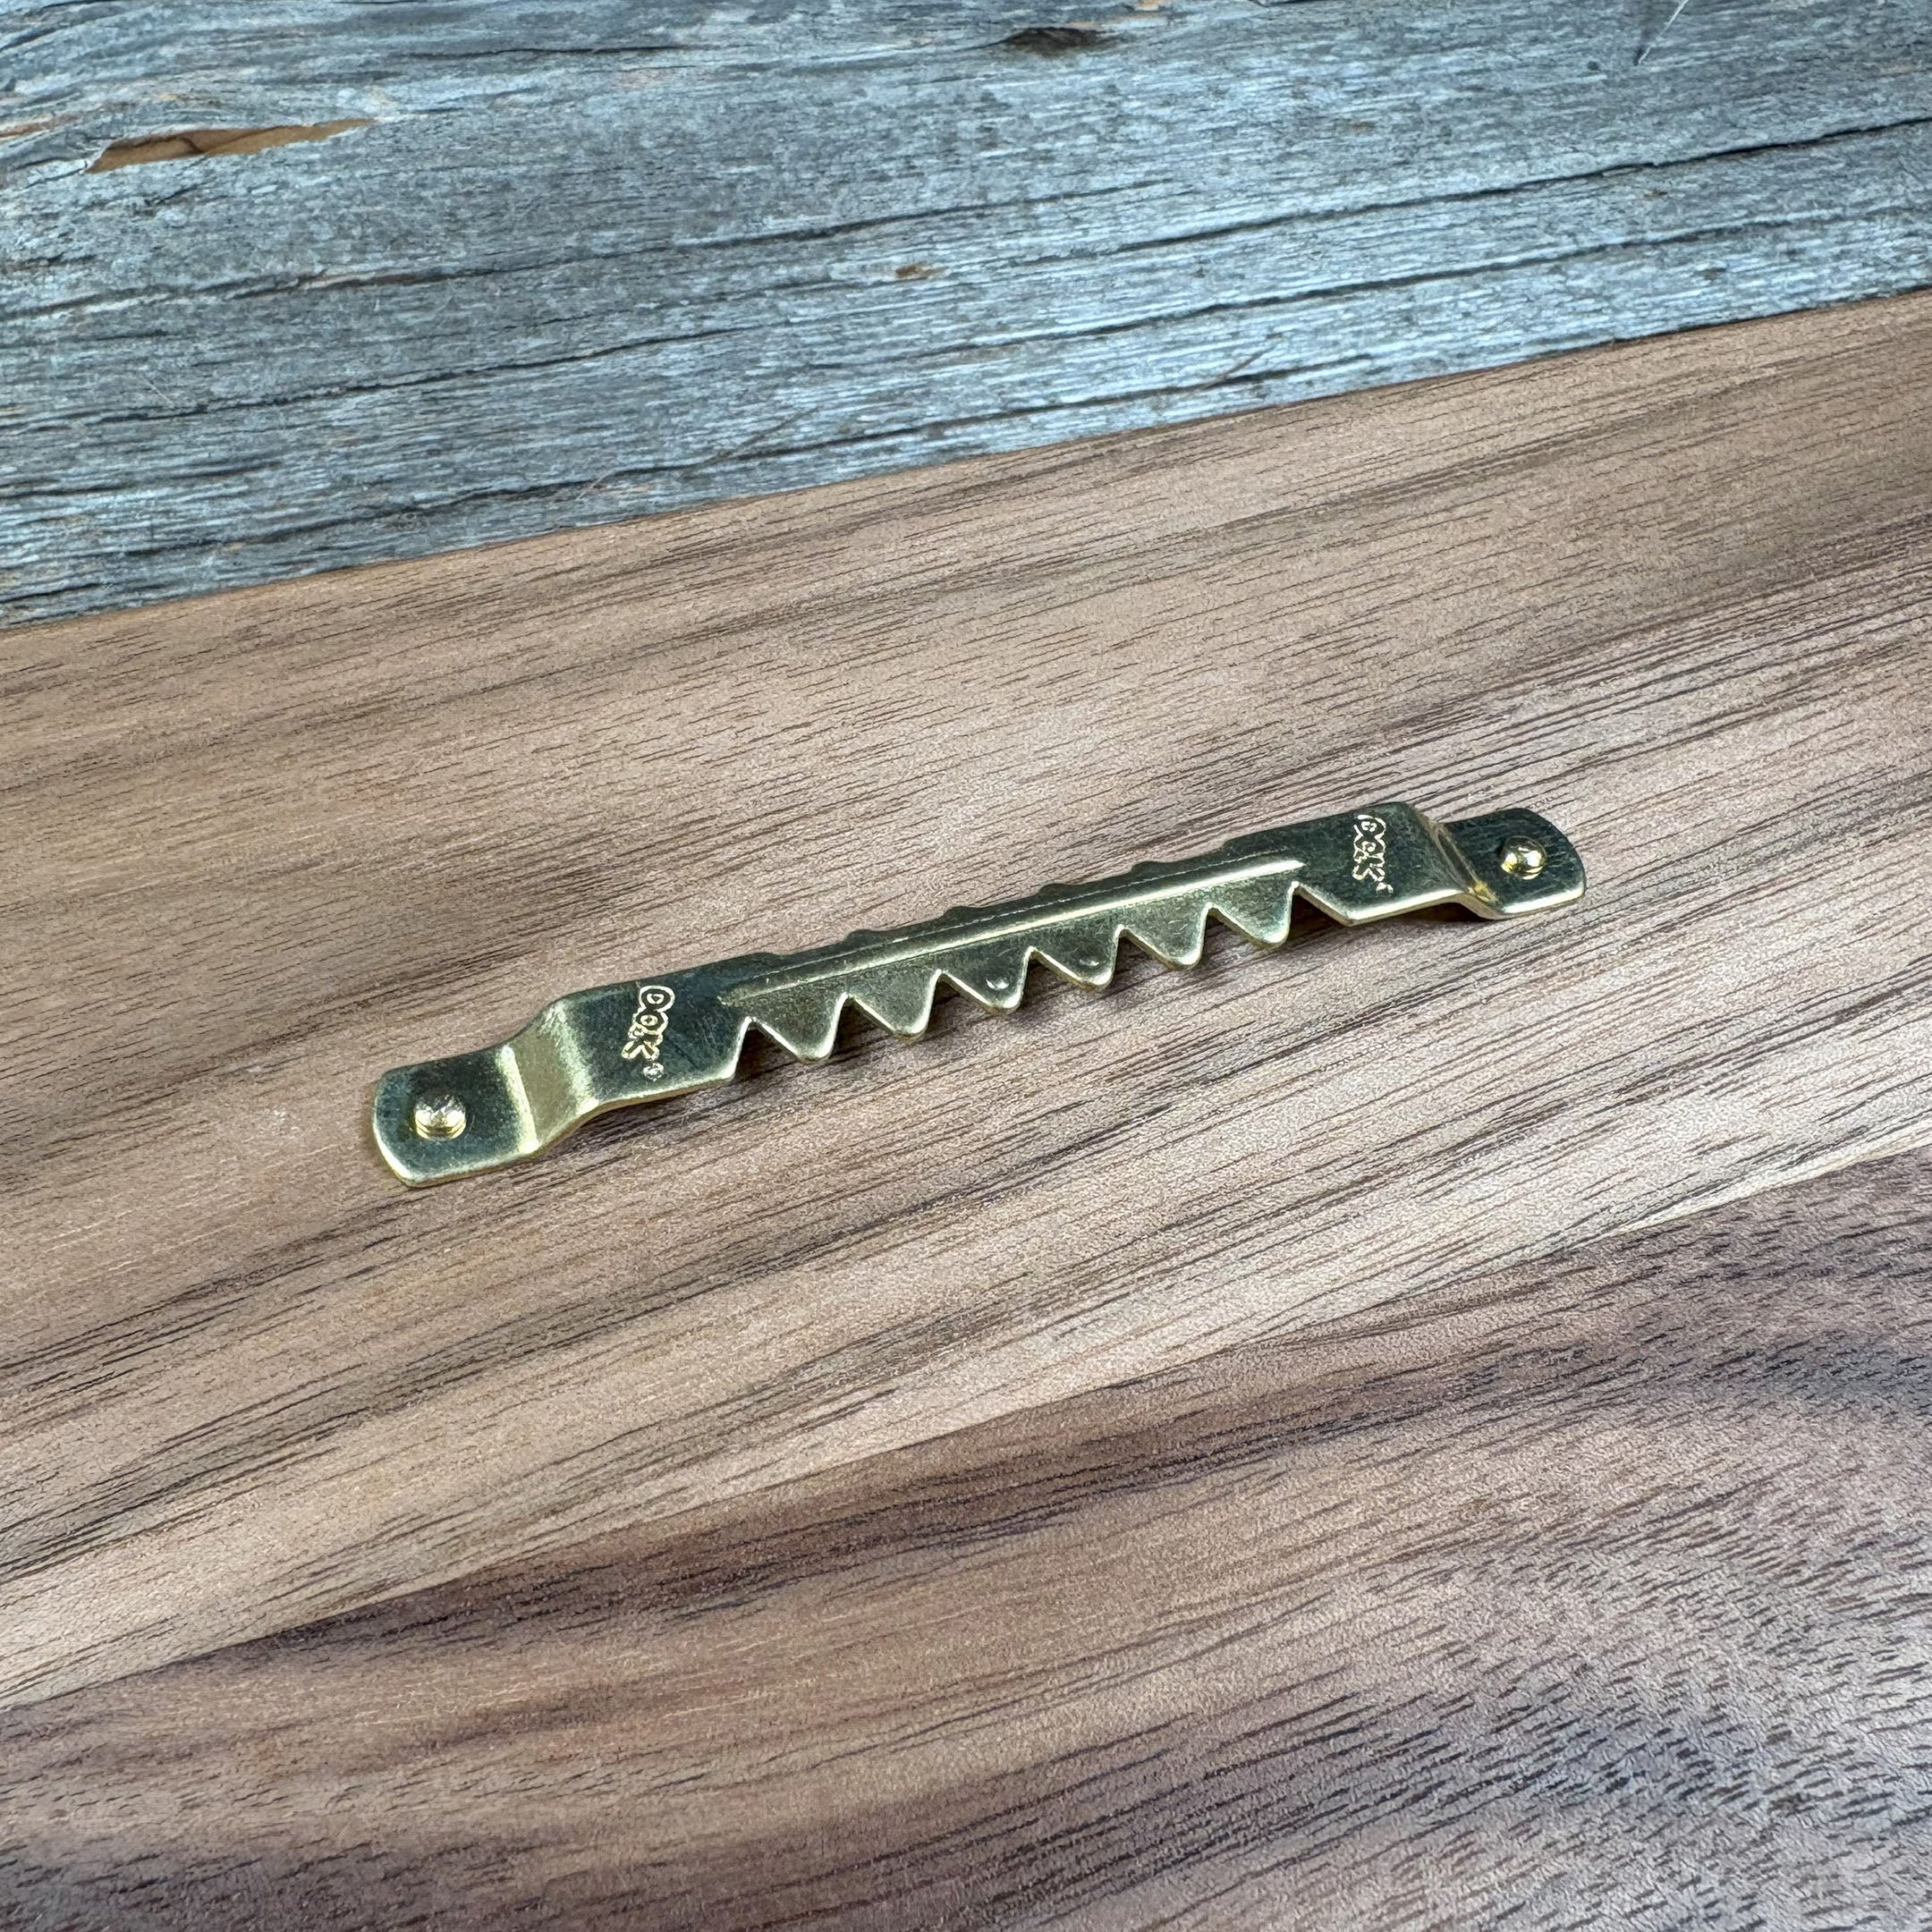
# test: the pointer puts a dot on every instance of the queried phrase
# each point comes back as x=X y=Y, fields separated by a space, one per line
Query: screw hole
x=440 y=1116
x=1522 y=858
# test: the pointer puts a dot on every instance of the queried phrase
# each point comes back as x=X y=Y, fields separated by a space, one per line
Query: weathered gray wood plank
x=585 y=264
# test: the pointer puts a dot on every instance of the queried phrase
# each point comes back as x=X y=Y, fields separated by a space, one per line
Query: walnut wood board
x=294 y=285
x=1592 y=1593
x=263 y=846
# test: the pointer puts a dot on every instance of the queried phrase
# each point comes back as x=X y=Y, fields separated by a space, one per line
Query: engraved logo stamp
x=648 y=1025
x=1371 y=851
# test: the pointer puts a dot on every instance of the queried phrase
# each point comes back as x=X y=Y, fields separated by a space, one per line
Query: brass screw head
x=440 y=1116
x=1522 y=858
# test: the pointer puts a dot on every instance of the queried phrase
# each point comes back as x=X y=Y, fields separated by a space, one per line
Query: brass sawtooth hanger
x=651 y=1039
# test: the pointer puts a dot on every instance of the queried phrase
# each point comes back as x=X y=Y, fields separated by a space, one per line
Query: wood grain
x=1589 y=1594
x=263 y=846
x=582 y=264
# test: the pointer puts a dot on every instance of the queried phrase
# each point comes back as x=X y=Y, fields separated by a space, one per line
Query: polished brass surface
x=653 y=1038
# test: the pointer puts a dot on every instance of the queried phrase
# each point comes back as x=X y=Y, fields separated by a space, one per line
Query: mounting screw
x=1522 y=858
x=440 y=1116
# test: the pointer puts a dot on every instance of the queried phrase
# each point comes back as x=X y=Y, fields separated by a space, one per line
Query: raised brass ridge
x=653 y=1038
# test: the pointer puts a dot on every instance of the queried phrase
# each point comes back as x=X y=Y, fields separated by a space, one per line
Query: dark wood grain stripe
x=1594 y=1593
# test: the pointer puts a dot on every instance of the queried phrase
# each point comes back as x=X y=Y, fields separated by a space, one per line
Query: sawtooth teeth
x=1082 y=947
x=898 y=997
x=1083 y=952
x=803 y=1020
x=1258 y=908
x=994 y=975
x=1171 y=929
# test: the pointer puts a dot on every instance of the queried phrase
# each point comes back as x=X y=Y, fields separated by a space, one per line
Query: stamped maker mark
x=1371 y=851
x=648 y=1025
